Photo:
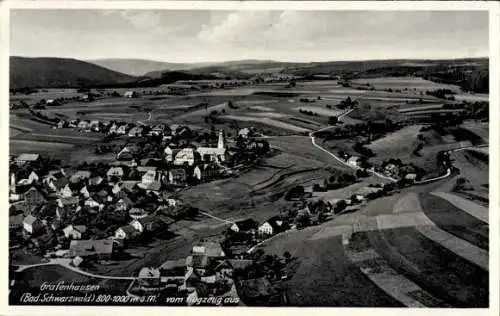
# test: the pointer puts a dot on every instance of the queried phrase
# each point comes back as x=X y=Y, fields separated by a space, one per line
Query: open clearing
x=403 y=140
x=476 y=210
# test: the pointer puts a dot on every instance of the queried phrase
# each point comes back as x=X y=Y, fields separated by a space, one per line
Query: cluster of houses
x=63 y=202
x=205 y=272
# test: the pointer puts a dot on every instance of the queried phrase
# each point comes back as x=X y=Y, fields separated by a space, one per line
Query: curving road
x=66 y=264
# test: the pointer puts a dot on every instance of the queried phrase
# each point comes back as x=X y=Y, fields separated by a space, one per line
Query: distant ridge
x=48 y=72
x=138 y=67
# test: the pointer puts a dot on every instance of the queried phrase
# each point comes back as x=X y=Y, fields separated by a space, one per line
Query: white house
x=115 y=172
x=185 y=155
x=272 y=226
x=125 y=232
x=353 y=161
x=66 y=192
x=32 y=224
x=147 y=223
x=85 y=192
x=74 y=232
x=130 y=94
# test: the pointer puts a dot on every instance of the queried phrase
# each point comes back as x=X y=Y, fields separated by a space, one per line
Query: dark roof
x=273 y=221
x=30 y=219
x=173 y=264
x=148 y=220
x=247 y=224
x=240 y=263
x=198 y=261
x=128 y=229
x=91 y=247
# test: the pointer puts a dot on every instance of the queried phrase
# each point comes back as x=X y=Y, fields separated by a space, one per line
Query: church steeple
x=222 y=143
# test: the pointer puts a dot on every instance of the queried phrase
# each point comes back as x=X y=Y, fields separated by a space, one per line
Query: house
x=206 y=171
x=112 y=129
x=61 y=124
x=186 y=156
x=353 y=161
x=16 y=221
x=411 y=176
x=199 y=262
x=391 y=170
x=93 y=204
x=130 y=94
x=83 y=124
x=122 y=129
x=33 y=198
x=125 y=154
x=135 y=131
x=272 y=226
x=244 y=132
x=101 y=249
x=33 y=177
x=173 y=267
x=210 y=249
x=74 y=232
x=32 y=225
x=149 y=277
x=177 y=176
x=114 y=172
x=144 y=169
x=27 y=158
x=170 y=153
x=151 y=176
x=126 y=232
x=145 y=224
x=137 y=213
x=66 y=191
x=246 y=225
x=85 y=192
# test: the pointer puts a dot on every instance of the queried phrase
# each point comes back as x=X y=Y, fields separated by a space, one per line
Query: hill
x=138 y=67
x=60 y=72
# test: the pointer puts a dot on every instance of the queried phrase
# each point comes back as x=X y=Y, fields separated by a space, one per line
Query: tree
x=333 y=120
x=303 y=220
x=340 y=206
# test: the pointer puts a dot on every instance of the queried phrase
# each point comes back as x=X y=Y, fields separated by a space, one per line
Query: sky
x=200 y=35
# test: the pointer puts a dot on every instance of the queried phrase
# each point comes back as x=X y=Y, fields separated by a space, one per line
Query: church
x=217 y=154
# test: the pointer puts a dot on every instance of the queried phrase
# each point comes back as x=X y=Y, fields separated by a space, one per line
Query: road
x=66 y=264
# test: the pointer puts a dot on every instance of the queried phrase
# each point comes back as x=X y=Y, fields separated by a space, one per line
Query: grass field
x=395 y=144
x=409 y=83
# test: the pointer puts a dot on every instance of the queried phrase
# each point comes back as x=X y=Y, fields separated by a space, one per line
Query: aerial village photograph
x=248 y=158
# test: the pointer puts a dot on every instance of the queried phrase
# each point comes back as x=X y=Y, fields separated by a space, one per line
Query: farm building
x=272 y=226
x=16 y=221
x=125 y=154
x=114 y=172
x=244 y=225
x=130 y=94
x=148 y=223
x=209 y=249
x=25 y=158
x=177 y=176
x=353 y=161
x=102 y=249
x=149 y=277
x=32 y=225
x=126 y=232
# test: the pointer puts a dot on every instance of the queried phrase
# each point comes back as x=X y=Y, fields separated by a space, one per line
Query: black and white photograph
x=249 y=157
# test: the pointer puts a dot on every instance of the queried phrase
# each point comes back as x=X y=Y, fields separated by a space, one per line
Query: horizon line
x=257 y=59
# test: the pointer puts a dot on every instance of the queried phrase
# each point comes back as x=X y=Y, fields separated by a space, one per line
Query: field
x=405 y=265
x=393 y=247
x=412 y=84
